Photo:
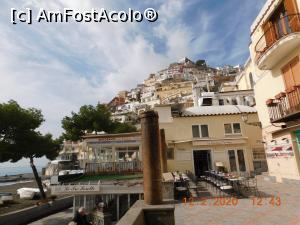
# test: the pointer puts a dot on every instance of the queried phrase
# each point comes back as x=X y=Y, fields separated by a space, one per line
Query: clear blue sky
x=59 y=67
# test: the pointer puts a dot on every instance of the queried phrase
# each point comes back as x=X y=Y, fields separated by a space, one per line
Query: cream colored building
x=246 y=79
x=275 y=65
x=102 y=148
x=200 y=137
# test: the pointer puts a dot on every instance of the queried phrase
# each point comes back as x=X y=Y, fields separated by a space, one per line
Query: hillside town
x=210 y=145
x=180 y=83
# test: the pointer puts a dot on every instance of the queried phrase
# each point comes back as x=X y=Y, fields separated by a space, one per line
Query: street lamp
x=245 y=120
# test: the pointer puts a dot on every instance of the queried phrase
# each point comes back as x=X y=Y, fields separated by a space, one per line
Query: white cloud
x=59 y=67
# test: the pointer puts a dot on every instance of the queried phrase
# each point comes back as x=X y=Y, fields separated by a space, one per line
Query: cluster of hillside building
x=244 y=118
x=176 y=84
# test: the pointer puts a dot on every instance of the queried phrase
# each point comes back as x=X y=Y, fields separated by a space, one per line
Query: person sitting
x=80 y=217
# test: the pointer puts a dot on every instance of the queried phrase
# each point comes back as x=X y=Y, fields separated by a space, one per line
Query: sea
x=17 y=170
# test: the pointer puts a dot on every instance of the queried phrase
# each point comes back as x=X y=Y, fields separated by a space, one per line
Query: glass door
x=202 y=161
x=241 y=160
x=237 y=160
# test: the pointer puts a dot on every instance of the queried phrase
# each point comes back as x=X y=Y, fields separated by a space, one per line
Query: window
x=291 y=73
x=232 y=161
x=200 y=131
x=228 y=128
x=127 y=154
x=204 y=130
x=170 y=153
x=104 y=154
x=236 y=128
x=221 y=101
x=232 y=128
x=241 y=159
x=196 y=132
x=237 y=160
x=283 y=21
x=207 y=102
x=234 y=102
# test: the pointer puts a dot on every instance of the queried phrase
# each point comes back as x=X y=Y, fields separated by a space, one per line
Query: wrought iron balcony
x=278 y=40
x=286 y=106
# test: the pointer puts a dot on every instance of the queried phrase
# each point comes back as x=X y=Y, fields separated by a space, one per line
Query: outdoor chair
x=227 y=189
x=204 y=180
x=250 y=186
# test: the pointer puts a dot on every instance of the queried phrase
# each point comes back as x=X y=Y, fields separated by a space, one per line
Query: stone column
x=163 y=151
x=151 y=158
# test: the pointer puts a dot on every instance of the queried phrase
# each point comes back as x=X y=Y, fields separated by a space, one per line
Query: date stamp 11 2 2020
x=273 y=201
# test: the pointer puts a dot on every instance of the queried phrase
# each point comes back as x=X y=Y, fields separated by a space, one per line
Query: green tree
x=201 y=63
x=123 y=128
x=92 y=118
x=20 y=139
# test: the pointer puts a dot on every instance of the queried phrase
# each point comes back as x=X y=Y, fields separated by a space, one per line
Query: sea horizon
x=17 y=170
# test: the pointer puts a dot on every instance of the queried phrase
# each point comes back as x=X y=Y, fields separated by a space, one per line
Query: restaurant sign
x=75 y=189
x=219 y=142
x=116 y=140
x=280 y=151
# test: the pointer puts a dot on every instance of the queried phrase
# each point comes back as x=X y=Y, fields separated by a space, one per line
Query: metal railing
x=114 y=168
x=285 y=105
x=284 y=26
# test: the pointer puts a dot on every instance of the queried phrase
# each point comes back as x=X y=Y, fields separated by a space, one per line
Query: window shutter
x=290 y=6
x=269 y=33
x=291 y=75
x=293 y=14
x=295 y=66
x=288 y=76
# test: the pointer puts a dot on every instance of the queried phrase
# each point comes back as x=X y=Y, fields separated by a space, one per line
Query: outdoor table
x=236 y=183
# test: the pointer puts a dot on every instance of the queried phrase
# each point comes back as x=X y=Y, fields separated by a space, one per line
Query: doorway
x=202 y=161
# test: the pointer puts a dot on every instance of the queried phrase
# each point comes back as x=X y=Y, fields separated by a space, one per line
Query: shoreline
x=17 y=203
x=10 y=180
x=5 y=184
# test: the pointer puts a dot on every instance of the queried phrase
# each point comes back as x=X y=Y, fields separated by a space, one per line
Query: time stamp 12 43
x=273 y=201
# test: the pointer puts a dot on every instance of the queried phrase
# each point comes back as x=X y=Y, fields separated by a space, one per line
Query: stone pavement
x=258 y=211
x=279 y=205
x=61 y=218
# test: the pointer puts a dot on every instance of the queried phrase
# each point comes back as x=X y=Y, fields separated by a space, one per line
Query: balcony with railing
x=285 y=106
x=279 y=39
x=106 y=168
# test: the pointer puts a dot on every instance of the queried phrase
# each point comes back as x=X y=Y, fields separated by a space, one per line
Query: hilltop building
x=178 y=83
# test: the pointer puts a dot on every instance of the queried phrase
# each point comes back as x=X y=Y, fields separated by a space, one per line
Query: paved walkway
x=259 y=211
x=62 y=218
x=280 y=206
